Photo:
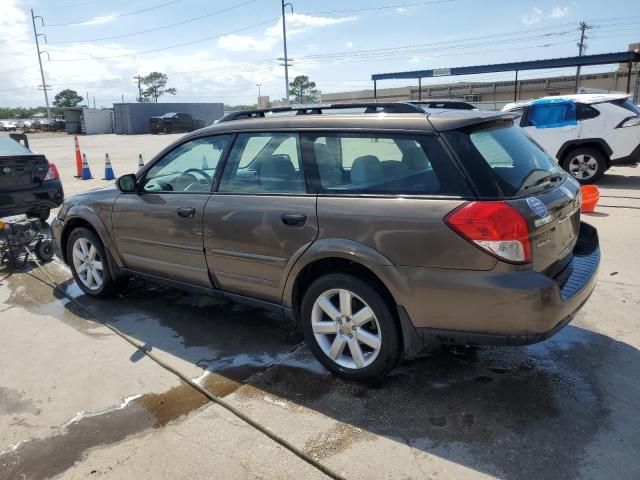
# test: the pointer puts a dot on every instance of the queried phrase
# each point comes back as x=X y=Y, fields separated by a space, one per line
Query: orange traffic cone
x=78 y=157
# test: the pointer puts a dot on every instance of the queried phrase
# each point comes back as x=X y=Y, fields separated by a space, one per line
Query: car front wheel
x=349 y=326
x=586 y=165
x=89 y=263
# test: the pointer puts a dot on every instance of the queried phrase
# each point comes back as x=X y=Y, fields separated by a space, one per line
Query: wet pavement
x=77 y=400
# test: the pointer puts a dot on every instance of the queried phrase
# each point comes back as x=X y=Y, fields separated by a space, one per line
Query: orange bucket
x=590 y=197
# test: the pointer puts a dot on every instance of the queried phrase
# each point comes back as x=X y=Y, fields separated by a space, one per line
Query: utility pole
x=286 y=57
x=581 y=49
x=139 y=79
x=36 y=35
x=259 y=85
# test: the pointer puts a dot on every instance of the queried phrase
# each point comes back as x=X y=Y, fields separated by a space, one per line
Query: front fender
x=82 y=212
x=354 y=251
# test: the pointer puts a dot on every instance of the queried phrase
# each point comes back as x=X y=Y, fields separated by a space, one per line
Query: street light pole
x=44 y=84
x=259 y=85
x=286 y=57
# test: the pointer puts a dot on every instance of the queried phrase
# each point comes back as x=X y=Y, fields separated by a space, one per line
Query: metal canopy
x=584 y=60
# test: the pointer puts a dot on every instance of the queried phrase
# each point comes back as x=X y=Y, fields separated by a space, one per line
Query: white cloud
x=559 y=12
x=349 y=44
x=297 y=24
x=243 y=43
x=401 y=9
x=534 y=16
x=99 y=20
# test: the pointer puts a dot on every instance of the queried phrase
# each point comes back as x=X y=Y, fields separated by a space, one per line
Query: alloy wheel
x=88 y=264
x=346 y=328
x=583 y=167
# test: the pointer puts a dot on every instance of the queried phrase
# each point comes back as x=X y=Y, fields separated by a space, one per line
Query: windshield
x=507 y=158
x=168 y=115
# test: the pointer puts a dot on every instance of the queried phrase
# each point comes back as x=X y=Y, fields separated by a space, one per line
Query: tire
x=104 y=285
x=382 y=329
x=44 y=250
x=585 y=164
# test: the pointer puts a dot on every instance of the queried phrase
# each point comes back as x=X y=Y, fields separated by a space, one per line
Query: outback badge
x=537 y=206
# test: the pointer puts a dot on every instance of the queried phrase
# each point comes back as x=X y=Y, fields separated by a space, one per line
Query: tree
x=67 y=98
x=303 y=90
x=156 y=83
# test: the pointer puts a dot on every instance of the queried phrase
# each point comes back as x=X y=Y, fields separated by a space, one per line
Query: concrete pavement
x=79 y=401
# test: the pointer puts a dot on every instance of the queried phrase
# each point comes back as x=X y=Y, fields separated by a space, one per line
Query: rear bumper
x=46 y=196
x=498 y=308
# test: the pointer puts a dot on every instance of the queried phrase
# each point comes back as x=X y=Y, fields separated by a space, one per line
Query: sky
x=217 y=51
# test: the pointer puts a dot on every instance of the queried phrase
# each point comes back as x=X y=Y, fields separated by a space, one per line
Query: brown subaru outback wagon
x=380 y=227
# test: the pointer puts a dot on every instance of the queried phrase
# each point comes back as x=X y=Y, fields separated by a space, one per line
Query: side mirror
x=127 y=183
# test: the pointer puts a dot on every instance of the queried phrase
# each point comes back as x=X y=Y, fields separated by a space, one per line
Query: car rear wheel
x=350 y=328
x=89 y=263
x=586 y=165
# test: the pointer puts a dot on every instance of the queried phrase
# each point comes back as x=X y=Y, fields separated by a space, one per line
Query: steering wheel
x=184 y=177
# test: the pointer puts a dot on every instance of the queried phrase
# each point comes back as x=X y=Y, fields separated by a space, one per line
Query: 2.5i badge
x=537 y=206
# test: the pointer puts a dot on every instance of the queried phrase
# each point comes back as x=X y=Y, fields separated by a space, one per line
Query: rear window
x=384 y=164
x=503 y=161
x=627 y=105
x=9 y=146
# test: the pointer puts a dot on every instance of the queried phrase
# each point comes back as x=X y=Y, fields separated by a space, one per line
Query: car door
x=261 y=219
x=158 y=230
x=552 y=124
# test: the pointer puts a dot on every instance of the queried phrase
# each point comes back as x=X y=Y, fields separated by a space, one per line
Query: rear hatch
x=20 y=168
x=506 y=165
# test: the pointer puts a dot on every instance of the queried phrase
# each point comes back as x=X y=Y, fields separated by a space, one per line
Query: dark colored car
x=175 y=122
x=381 y=231
x=29 y=184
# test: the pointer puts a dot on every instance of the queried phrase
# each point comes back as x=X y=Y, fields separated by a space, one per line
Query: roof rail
x=370 y=107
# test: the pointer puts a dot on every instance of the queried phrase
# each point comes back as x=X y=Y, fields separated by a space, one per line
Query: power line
x=382 y=7
x=184 y=22
x=120 y=15
x=178 y=45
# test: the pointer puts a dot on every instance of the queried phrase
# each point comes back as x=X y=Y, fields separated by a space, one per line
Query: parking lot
x=163 y=384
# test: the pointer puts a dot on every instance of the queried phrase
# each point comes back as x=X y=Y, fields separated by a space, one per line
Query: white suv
x=587 y=133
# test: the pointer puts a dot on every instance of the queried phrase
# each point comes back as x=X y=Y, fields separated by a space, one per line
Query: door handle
x=187 y=212
x=294 y=219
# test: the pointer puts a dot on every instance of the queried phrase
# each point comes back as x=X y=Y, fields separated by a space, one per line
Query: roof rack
x=370 y=107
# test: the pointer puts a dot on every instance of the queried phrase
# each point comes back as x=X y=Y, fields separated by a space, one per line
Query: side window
x=359 y=163
x=188 y=168
x=585 y=112
x=264 y=163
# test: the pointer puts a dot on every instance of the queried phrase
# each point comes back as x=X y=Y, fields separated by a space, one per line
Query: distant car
x=8 y=126
x=175 y=122
x=445 y=104
x=587 y=133
x=29 y=184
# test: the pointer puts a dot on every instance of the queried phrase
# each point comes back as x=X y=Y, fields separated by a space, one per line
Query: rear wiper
x=551 y=178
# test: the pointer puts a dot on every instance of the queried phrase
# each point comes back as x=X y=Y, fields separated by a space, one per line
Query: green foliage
x=20 y=112
x=155 y=83
x=238 y=108
x=303 y=90
x=67 y=98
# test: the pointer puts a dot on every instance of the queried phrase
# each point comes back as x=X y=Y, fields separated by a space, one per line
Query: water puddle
x=47 y=457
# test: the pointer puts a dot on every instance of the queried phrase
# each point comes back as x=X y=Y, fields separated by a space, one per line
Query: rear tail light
x=52 y=173
x=495 y=227
x=629 y=122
